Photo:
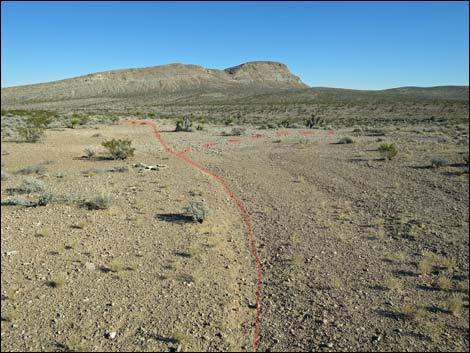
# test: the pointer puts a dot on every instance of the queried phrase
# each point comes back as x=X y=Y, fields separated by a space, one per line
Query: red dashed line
x=240 y=206
x=184 y=151
x=330 y=132
x=281 y=133
x=236 y=140
x=257 y=136
x=210 y=144
x=306 y=132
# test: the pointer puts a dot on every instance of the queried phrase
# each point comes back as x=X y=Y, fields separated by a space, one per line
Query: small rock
x=112 y=335
x=90 y=266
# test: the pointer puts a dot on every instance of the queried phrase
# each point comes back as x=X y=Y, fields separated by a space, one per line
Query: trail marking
x=282 y=133
x=239 y=204
x=257 y=136
x=210 y=144
x=235 y=140
x=184 y=151
x=306 y=132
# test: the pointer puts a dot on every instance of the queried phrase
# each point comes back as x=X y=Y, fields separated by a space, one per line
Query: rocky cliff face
x=154 y=81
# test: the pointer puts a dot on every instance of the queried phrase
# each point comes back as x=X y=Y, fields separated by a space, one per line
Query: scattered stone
x=111 y=335
x=90 y=266
x=143 y=166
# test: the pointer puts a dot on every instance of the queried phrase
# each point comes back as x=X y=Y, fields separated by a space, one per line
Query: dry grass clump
x=413 y=312
x=432 y=261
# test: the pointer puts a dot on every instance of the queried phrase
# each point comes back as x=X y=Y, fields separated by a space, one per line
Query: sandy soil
x=343 y=238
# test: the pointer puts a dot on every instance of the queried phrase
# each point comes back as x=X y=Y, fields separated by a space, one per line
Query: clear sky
x=362 y=45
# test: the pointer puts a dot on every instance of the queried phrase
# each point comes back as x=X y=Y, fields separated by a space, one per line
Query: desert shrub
x=39 y=120
x=284 y=123
x=455 y=304
x=388 y=150
x=30 y=133
x=345 y=140
x=183 y=125
x=230 y=121
x=32 y=169
x=28 y=186
x=314 y=122
x=45 y=198
x=74 y=121
x=197 y=210
x=200 y=127
x=100 y=202
x=238 y=131
x=89 y=153
x=16 y=201
x=438 y=162
x=114 y=120
x=119 y=148
x=119 y=169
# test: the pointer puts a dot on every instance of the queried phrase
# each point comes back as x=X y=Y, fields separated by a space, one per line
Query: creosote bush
x=197 y=210
x=119 y=148
x=345 y=140
x=184 y=125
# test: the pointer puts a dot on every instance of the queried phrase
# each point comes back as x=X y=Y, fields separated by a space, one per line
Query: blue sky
x=361 y=45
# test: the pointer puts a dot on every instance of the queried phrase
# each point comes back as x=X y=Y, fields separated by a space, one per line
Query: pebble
x=112 y=335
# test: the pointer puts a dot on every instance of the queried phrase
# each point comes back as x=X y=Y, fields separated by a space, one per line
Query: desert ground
x=358 y=252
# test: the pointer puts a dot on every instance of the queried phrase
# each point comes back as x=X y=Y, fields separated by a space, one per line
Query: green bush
x=230 y=121
x=314 y=122
x=74 y=120
x=284 y=123
x=197 y=210
x=119 y=148
x=388 y=150
x=183 y=125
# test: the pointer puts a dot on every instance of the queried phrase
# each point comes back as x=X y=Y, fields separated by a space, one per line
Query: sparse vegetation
x=116 y=265
x=120 y=169
x=184 y=125
x=438 y=162
x=119 y=148
x=314 y=122
x=431 y=262
x=100 y=202
x=413 y=312
x=58 y=280
x=345 y=140
x=30 y=134
x=393 y=283
x=32 y=169
x=455 y=304
x=197 y=210
x=89 y=153
x=28 y=186
x=388 y=150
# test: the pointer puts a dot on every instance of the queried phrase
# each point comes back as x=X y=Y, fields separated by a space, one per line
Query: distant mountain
x=253 y=82
x=156 y=80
